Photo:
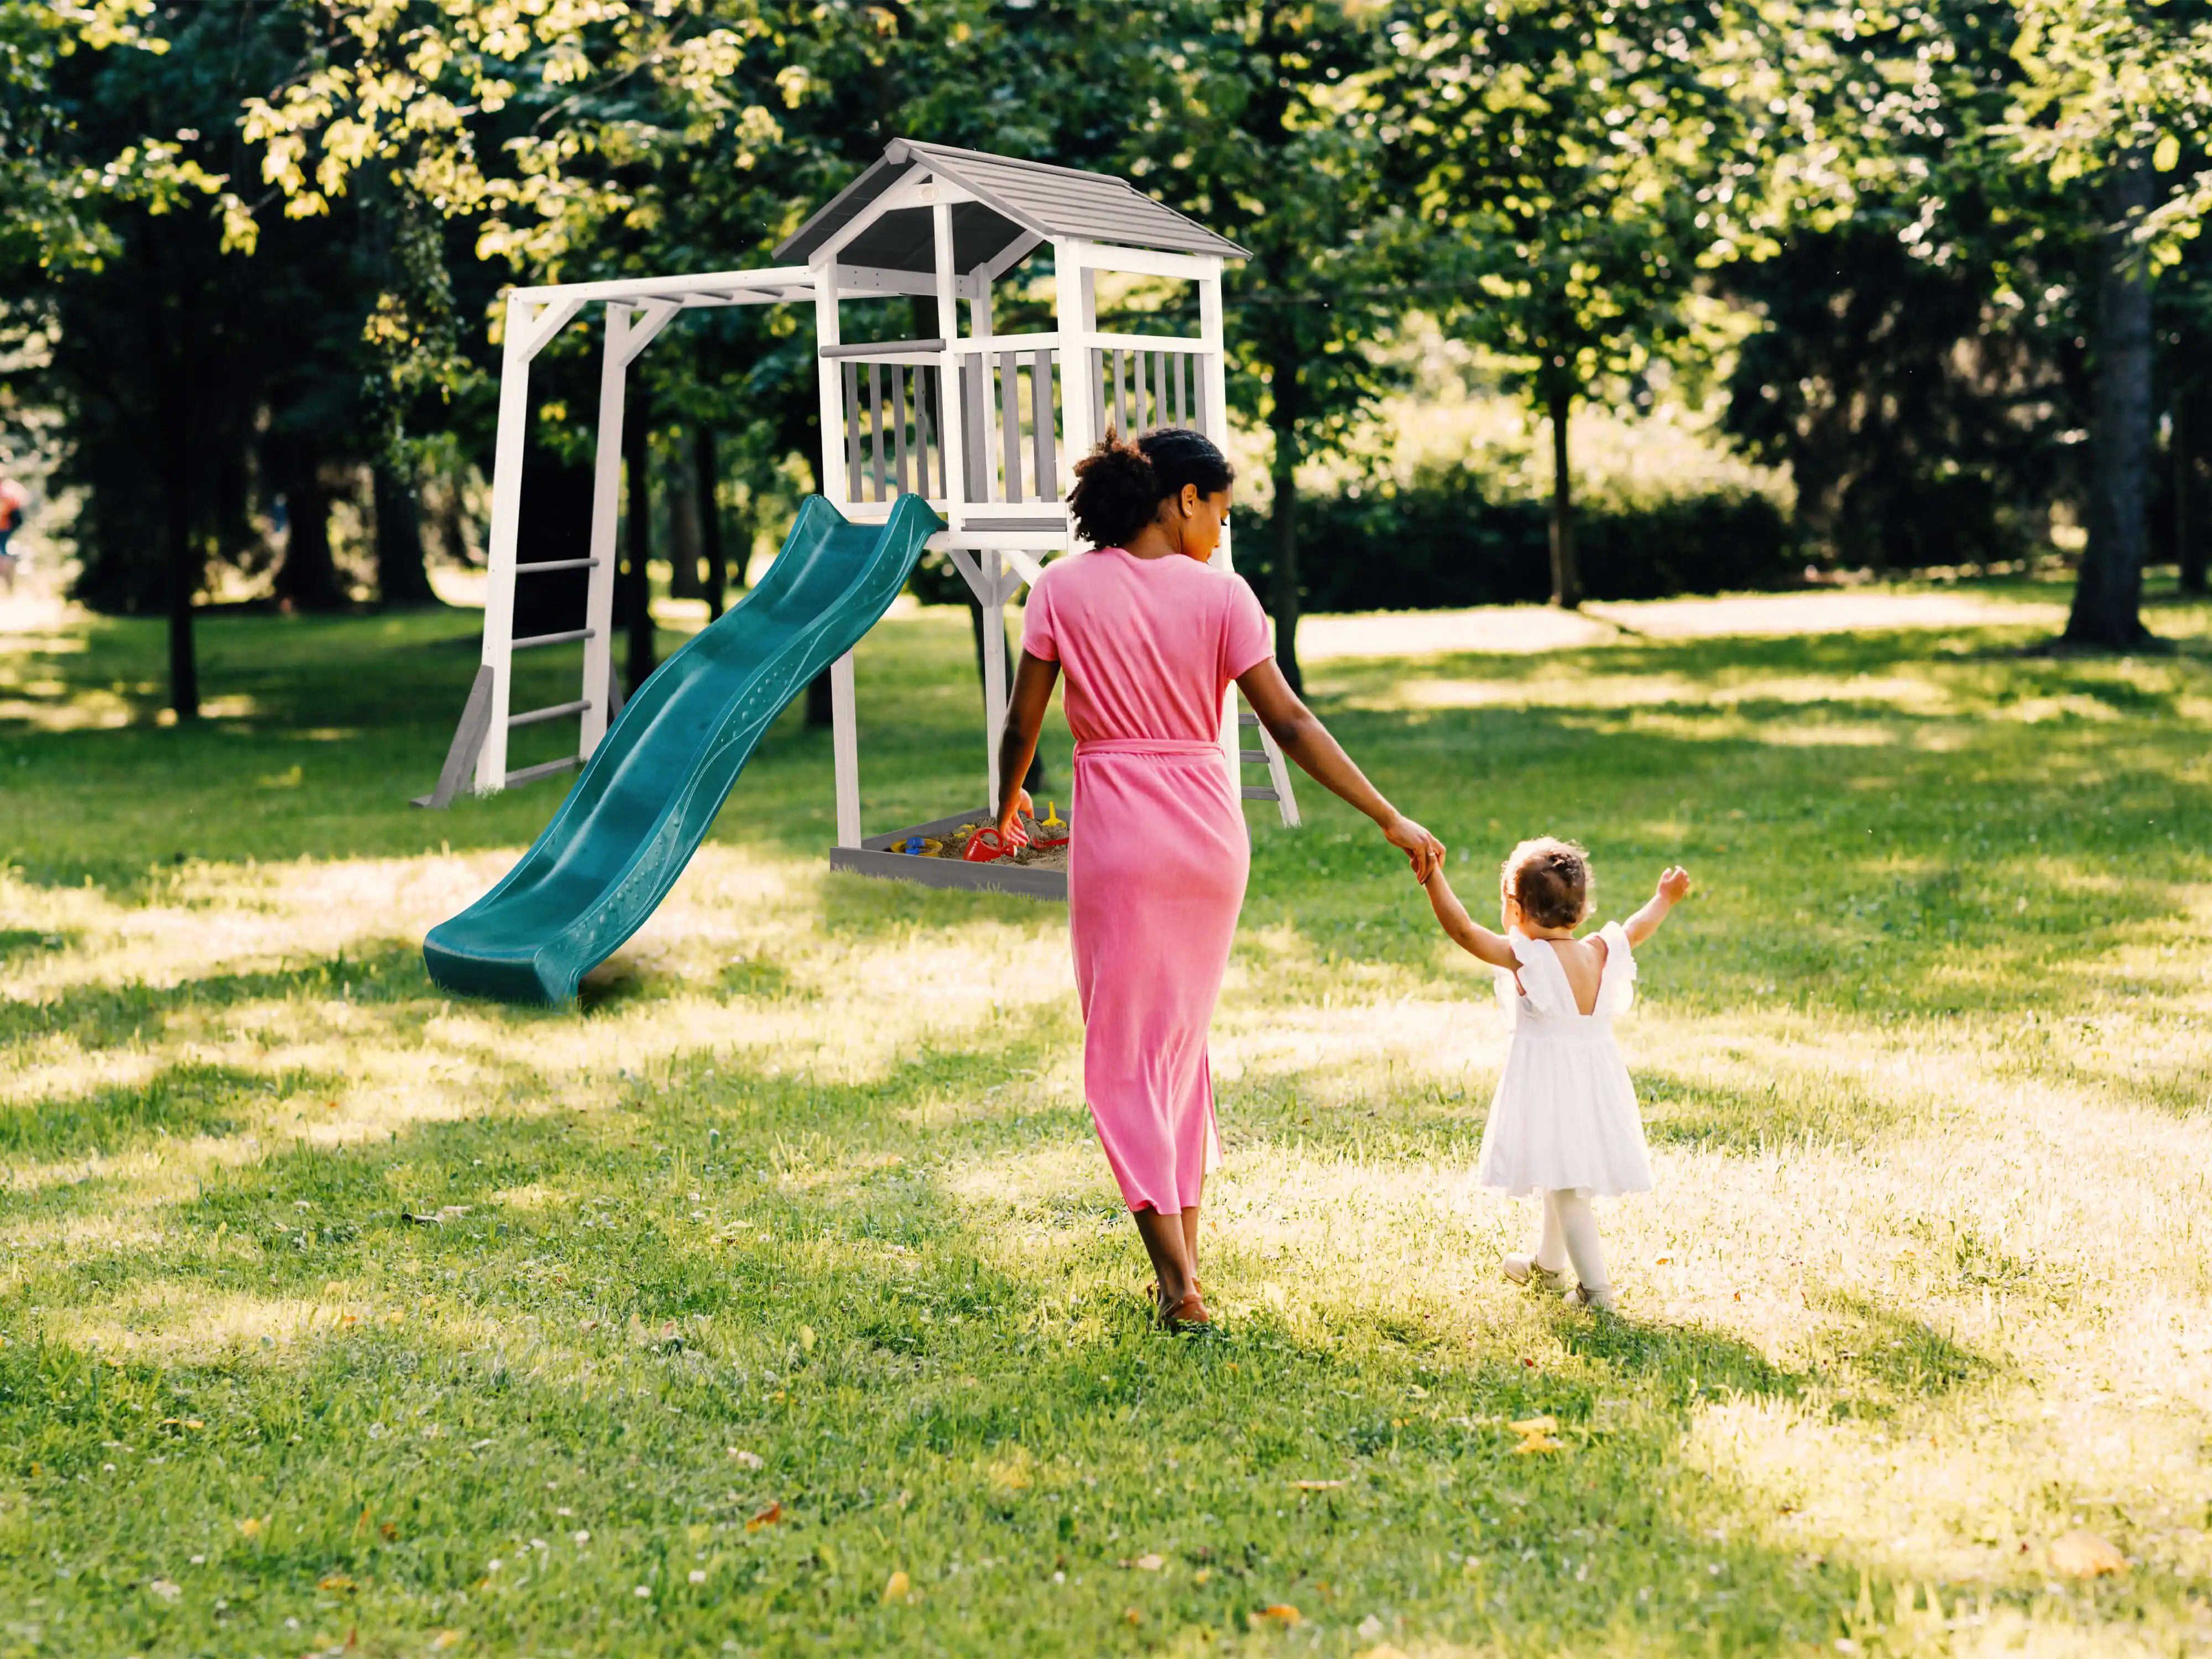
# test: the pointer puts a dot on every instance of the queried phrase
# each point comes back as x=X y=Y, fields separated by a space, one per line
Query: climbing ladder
x=1278 y=786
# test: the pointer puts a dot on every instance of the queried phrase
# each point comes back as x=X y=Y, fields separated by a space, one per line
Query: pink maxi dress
x=1159 y=857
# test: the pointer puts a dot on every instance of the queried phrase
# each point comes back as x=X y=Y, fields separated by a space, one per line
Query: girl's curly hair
x=1550 y=878
x=1119 y=485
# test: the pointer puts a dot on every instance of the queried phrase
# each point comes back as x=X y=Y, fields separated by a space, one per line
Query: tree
x=1262 y=125
x=2110 y=95
x=1576 y=166
x=1918 y=366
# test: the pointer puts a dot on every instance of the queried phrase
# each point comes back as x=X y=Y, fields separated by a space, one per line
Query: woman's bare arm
x=1466 y=931
x=1032 y=694
x=1298 y=731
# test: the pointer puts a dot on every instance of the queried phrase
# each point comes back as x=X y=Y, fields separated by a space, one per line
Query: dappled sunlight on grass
x=800 y=1214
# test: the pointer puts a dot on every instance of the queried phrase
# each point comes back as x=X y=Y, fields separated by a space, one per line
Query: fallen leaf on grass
x=1538 y=1443
x=167 y=1589
x=1279 y=1614
x=250 y=1526
x=895 y=1587
x=2080 y=1554
x=767 y=1517
x=337 y=1581
x=1535 y=1426
x=1131 y=1616
x=751 y=1459
x=1146 y=1564
x=446 y=1638
x=1317 y=1485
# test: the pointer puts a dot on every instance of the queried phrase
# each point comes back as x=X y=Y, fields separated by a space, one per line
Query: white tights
x=1570 y=1235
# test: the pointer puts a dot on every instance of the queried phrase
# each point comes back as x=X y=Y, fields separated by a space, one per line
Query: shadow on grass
x=99 y=1016
x=179 y=1100
x=738 y=1262
x=1703 y=1117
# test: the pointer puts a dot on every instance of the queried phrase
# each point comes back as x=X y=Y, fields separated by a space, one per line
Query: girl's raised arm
x=1466 y=931
x=1673 y=885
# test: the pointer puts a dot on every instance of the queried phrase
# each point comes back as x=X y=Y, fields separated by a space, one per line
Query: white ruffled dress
x=1565 y=1115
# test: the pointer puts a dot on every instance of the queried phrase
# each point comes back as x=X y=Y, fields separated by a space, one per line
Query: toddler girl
x=1563 y=1122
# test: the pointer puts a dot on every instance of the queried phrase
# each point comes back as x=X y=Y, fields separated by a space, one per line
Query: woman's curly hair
x=1119 y=485
x=1550 y=878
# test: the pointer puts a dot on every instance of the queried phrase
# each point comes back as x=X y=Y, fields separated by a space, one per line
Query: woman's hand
x=1422 y=850
x=1010 y=823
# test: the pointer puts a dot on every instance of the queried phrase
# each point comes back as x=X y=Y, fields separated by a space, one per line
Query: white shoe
x=1604 y=1300
x=1522 y=1269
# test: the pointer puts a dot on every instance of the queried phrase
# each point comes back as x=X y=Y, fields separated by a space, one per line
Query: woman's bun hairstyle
x=1119 y=485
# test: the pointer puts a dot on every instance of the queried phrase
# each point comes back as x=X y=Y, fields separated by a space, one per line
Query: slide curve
x=660 y=773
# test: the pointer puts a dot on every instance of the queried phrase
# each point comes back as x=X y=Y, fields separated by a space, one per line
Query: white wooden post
x=1213 y=396
x=845 y=750
x=953 y=417
x=516 y=350
x=844 y=716
x=1073 y=309
x=606 y=492
x=994 y=668
x=826 y=333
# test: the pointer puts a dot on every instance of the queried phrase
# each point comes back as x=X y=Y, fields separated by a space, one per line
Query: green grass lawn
x=779 y=1301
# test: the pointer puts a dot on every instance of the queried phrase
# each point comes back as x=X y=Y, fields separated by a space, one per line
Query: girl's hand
x=1674 y=883
x=1423 y=850
x=1010 y=823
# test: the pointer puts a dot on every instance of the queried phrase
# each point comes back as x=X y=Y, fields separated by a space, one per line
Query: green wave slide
x=657 y=779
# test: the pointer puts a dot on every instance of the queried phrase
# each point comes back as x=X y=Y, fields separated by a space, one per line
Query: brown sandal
x=1188 y=1314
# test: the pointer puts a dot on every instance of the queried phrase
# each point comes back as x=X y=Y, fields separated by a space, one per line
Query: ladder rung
x=1252 y=756
x=1250 y=793
x=1248 y=719
x=556 y=564
x=531 y=773
x=568 y=638
x=551 y=712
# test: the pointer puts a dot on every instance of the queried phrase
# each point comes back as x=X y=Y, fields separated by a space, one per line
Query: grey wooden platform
x=873 y=857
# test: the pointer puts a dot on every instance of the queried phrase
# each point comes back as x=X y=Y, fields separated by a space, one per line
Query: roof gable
x=1014 y=199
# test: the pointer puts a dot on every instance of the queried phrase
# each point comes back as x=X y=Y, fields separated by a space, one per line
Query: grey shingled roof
x=1013 y=198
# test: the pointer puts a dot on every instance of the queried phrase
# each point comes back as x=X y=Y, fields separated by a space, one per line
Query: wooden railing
x=1141 y=387
x=1013 y=447
x=1012 y=432
x=894 y=444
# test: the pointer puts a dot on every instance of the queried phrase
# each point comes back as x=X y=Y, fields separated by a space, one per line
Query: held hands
x=1674 y=883
x=1422 y=850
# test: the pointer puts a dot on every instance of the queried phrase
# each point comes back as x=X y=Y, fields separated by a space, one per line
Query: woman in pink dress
x=1150 y=639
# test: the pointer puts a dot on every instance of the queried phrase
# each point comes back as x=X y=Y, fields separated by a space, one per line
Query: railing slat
x=1176 y=362
x=1010 y=415
x=976 y=460
x=852 y=432
x=876 y=428
x=1041 y=407
x=898 y=423
x=1121 y=390
x=1100 y=396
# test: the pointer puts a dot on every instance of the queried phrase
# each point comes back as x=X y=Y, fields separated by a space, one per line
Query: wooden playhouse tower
x=985 y=425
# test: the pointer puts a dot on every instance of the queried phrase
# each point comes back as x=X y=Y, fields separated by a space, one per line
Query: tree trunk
x=637 y=576
x=706 y=474
x=184 y=583
x=1283 y=587
x=680 y=489
x=401 y=579
x=2189 y=538
x=2108 y=594
x=1566 y=574
x=308 y=579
